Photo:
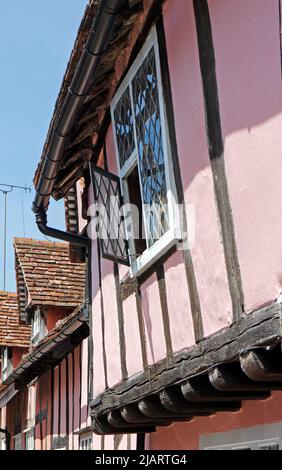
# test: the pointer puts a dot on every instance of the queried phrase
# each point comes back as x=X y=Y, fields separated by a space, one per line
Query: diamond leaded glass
x=108 y=209
x=124 y=127
x=150 y=148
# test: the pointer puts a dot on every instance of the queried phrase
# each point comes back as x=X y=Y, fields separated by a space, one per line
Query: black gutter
x=41 y=220
x=96 y=45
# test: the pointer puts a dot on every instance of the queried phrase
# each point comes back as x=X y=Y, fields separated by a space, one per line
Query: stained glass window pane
x=150 y=148
x=124 y=127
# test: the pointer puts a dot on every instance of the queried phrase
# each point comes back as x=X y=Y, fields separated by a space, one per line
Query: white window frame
x=254 y=437
x=4 y=359
x=18 y=442
x=6 y=363
x=3 y=444
x=173 y=234
x=29 y=439
x=31 y=406
x=86 y=441
x=37 y=327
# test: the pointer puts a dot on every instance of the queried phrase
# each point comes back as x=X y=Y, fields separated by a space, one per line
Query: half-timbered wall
x=248 y=70
x=248 y=63
x=61 y=405
x=224 y=118
x=189 y=288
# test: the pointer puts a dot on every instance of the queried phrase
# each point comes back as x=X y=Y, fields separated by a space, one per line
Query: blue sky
x=36 y=38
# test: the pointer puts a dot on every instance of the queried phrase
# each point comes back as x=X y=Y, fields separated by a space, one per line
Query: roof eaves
x=62 y=331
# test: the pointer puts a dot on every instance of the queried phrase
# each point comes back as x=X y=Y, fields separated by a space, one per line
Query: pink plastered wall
x=63 y=396
x=131 y=326
x=152 y=314
x=76 y=397
x=106 y=292
x=246 y=41
x=55 y=430
x=180 y=318
x=132 y=336
x=99 y=379
x=187 y=95
x=112 y=339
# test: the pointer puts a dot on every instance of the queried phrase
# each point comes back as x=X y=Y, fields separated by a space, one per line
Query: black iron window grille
x=108 y=213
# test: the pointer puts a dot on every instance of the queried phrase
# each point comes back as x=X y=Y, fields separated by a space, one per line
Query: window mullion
x=166 y=147
x=138 y=157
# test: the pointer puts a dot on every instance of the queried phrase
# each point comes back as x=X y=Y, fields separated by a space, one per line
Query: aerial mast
x=5 y=190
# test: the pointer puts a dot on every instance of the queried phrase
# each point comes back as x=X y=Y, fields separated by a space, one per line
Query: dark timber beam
x=120 y=322
x=132 y=414
x=262 y=365
x=153 y=408
x=261 y=328
x=187 y=257
x=116 y=420
x=173 y=400
x=102 y=427
x=216 y=153
x=199 y=389
x=230 y=377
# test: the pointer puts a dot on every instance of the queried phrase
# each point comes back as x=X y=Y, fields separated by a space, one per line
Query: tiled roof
x=12 y=333
x=50 y=278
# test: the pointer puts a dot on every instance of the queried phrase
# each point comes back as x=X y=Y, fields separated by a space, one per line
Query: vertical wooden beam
x=164 y=307
x=216 y=152
x=48 y=393
x=140 y=441
x=80 y=382
x=141 y=327
x=188 y=262
x=70 y=399
x=56 y=403
x=52 y=408
x=59 y=399
x=77 y=394
x=102 y=315
x=40 y=409
x=280 y=30
x=90 y=358
x=67 y=397
x=120 y=323
x=128 y=442
x=63 y=397
x=73 y=398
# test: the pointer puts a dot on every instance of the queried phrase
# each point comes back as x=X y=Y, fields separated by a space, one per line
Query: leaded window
x=109 y=223
x=38 y=327
x=143 y=151
x=7 y=367
x=150 y=148
x=124 y=127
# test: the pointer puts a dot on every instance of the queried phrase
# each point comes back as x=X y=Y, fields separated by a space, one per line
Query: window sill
x=151 y=255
